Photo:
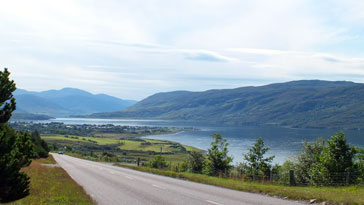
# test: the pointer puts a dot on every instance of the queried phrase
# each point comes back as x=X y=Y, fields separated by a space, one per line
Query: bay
x=284 y=143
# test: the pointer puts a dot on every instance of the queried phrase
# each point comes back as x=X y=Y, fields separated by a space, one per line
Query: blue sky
x=133 y=49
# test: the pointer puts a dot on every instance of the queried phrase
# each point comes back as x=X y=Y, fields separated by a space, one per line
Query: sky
x=133 y=49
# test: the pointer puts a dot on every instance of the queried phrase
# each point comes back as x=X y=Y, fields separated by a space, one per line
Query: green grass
x=98 y=140
x=155 y=145
x=48 y=160
x=349 y=194
x=52 y=185
x=134 y=144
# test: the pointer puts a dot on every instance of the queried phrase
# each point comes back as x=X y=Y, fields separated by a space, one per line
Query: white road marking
x=157 y=186
x=129 y=177
x=212 y=202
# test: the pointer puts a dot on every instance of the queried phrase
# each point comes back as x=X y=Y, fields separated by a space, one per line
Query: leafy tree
x=159 y=162
x=218 y=162
x=196 y=161
x=360 y=163
x=307 y=167
x=284 y=172
x=327 y=162
x=337 y=158
x=16 y=149
x=255 y=158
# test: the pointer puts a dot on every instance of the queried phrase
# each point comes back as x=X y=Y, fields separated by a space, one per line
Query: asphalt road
x=108 y=184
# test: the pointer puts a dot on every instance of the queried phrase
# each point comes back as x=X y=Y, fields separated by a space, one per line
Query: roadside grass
x=52 y=185
x=48 y=160
x=347 y=194
x=175 y=159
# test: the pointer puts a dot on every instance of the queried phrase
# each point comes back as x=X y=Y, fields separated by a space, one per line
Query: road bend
x=109 y=185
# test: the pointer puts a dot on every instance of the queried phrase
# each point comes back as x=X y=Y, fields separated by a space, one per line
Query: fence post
x=138 y=161
x=271 y=175
x=291 y=178
x=347 y=178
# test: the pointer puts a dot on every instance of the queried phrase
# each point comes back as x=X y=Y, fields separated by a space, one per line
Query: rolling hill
x=306 y=103
x=66 y=102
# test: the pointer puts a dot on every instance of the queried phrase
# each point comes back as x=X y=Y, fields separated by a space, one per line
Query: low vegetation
x=348 y=194
x=51 y=185
x=332 y=172
x=118 y=149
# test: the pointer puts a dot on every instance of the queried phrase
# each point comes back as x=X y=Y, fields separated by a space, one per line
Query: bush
x=327 y=162
x=196 y=161
x=307 y=167
x=284 y=172
x=159 y=162
x=40 y=146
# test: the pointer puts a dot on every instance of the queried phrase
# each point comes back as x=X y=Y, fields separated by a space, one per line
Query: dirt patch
x=50 y=165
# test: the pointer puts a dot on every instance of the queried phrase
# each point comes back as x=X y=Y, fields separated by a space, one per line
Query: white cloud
x=132 y=49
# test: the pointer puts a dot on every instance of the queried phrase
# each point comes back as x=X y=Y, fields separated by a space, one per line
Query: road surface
x=108 y=184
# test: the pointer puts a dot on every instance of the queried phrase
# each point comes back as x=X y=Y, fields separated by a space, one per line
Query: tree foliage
x=328 y=162
x=16 y=149
x=255 y=158
x=7 y=101
x=307 y=167
x=40 y=146
x=196 y=161
x=159 y=162
x=337 y=158
x=218 y=162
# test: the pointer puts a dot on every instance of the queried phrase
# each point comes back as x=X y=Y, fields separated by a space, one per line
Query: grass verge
x=52 y=185
x=349 y=194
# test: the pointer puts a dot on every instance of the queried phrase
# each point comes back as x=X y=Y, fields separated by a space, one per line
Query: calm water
x=284 y=142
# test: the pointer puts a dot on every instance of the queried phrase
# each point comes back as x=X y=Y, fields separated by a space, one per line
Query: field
x=347 y=195
x=52 y=185
x=119 y=149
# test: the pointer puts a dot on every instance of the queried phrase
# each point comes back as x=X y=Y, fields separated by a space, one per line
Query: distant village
x=92 y=129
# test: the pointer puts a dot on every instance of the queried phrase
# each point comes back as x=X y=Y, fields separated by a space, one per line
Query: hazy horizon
x=132 y=50
x=126 y=98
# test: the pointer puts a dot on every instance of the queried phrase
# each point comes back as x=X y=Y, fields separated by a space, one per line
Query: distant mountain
x=66 y=102
x=27 y=116
x=307 y=103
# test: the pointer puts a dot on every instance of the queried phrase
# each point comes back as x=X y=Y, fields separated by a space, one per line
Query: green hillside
x=307 y=103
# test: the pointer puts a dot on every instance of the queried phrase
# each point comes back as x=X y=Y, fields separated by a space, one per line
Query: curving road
x=108 y=184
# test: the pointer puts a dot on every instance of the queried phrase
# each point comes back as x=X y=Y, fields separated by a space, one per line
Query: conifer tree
x=256 y=160
x=218 y=161
x=16 y=149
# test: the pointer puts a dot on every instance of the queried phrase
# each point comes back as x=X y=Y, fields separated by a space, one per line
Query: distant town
x=94 y=130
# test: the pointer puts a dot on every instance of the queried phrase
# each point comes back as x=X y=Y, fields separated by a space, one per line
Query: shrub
x=159 y=162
